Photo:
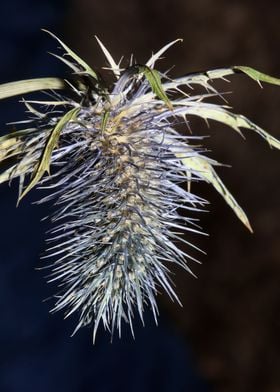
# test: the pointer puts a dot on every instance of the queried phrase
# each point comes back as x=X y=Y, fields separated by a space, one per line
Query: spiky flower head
x=114 y=161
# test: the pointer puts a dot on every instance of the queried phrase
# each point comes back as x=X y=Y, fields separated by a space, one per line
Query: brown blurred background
x=231 y=312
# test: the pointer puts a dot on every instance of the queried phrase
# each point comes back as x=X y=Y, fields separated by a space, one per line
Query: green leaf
x=44 y=165
x=154 y=80
x=21 y=87
x=6 y=147
x=69 y=64
x=9 y=142
x=235 y=121
x=82 y=63
x=201 y=166
x=257 y=75
x=32 y=110
x=17 y=134
x=104 y=120
x=203 y=78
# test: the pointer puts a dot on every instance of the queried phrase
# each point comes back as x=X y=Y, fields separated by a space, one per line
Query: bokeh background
x=225 y=338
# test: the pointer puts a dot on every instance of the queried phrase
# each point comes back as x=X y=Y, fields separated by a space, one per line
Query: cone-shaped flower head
x=115 y=164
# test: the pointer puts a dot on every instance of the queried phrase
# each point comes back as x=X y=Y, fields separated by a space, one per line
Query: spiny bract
x=115 y=164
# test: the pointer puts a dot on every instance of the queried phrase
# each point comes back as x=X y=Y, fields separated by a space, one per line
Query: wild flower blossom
x=114 y=161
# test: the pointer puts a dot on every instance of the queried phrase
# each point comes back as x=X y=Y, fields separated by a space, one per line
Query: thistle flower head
x=114 y=161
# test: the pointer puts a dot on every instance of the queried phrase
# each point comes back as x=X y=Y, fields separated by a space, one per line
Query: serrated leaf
x=27 y=86
x=204 y=77
x=235 y=121
x=257 y=75
x=206 y=171
x=44 y=164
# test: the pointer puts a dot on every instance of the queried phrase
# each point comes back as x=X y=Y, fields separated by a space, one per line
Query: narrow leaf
x=104 y=120
x=235 y=121
x=17 y=134
x=75 y=57
x=44 y=165
x=19 y=169
x=206 y=171
x=204 y=77
x=21 y=87
x=114 y=66
x=257 y=75
x=10 y=144
x=51 y=103
x=32 y=110
x=203 y=168
x=6 y=175
x=153 y=78
x=150 y=63
x=6 y=147
x=67 y=62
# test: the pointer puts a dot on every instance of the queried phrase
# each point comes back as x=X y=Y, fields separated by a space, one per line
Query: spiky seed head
x=115 y=164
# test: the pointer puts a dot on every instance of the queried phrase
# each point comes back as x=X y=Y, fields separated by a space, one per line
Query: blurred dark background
x=225 y=336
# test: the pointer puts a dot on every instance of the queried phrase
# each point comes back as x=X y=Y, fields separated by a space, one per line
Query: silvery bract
x=115 y=164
